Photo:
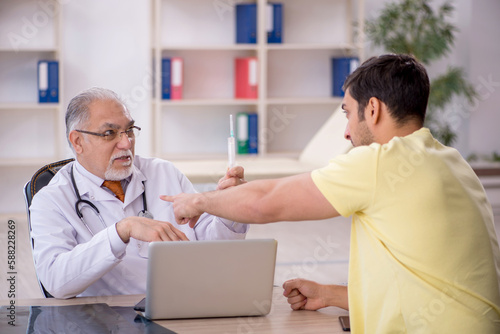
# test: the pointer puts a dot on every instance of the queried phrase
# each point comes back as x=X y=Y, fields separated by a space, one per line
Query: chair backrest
x=39 y=180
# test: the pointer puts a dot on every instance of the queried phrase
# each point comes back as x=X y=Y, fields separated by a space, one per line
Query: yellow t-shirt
x=424 y=254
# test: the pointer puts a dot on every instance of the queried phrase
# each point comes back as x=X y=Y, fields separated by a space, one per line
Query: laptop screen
x=222 y=278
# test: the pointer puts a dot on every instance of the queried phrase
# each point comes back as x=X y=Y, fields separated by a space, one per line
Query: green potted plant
x=413 y=27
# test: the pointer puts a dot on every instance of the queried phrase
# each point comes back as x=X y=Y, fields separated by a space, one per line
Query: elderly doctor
x=105 y=251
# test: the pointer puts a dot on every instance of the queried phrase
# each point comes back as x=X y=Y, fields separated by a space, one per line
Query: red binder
x=177 y=77
x=246 y=83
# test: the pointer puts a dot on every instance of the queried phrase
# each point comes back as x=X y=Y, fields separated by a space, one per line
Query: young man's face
x=108 y=159
x=356 y=131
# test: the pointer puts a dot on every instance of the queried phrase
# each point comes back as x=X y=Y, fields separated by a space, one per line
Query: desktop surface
x=281 y=319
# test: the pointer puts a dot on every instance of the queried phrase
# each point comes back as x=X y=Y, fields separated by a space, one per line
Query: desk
x=210 y=171
x=282 y=318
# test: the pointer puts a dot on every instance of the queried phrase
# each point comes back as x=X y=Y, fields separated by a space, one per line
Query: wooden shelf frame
x=351 y=45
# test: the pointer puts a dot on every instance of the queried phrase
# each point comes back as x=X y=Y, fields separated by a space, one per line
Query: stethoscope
x=80 y=201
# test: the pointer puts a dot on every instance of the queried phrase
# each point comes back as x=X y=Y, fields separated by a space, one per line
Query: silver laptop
x=203 y=279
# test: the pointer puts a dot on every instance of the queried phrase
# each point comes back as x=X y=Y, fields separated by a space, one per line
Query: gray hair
x=78 y=108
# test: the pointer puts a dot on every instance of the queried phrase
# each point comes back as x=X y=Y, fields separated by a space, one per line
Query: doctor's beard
x=114 y=174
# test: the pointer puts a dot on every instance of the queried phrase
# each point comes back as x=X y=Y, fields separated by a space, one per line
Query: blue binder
x=253 y=133
x=342 y=67
x=165 y=78
x=246 y=23
x=48 y=81
x=275 y=34
x=53 y=82
x=43 y=81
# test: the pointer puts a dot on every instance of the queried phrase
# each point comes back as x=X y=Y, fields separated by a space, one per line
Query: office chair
x=39 y=180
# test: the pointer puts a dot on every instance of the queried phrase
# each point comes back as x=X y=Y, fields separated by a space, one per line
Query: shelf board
x=26 y=162
x=34 y=50
x=256 y=167
x=173 y=157
x=229 y=47
x=254 y=47
x=304 y=100
x=28 y=106
x=245 y=102
x=209 y=102
x=311 y=46
x=240 y=158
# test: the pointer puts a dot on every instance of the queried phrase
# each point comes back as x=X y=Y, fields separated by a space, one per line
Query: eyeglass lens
x=131 y=134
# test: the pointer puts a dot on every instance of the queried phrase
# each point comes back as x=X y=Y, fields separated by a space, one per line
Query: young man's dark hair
x=399 y=81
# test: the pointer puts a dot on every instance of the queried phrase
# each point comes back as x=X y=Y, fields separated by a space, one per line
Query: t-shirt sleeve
x=348 y=181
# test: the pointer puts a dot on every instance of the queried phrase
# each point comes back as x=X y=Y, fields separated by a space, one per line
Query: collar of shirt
x=89 y=183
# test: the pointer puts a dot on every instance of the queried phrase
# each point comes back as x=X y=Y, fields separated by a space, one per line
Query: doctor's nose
x=124 y=142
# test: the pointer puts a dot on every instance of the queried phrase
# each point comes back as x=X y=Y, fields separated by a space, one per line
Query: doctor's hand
x=185 y=208
x=145 y=229
x=234 y=177
x=308 y=295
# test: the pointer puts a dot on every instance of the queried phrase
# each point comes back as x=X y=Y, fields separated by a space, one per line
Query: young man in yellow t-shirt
x=424 y=253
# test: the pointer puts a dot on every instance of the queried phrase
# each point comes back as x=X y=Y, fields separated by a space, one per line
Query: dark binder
x=274 y=35
x=166 y=79
x=48 y=81
x=341 y=68
x=253 y=133
x=246 y=23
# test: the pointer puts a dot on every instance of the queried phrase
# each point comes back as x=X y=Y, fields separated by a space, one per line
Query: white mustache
x=123 y=154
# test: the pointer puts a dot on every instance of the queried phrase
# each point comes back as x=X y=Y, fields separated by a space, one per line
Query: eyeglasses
x=110 y=135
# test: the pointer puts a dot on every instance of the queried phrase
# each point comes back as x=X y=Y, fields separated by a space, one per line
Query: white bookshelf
x=294 y=77
x=32 y=133
x=29 y=32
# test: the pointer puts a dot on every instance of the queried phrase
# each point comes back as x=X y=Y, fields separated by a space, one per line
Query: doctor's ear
x=75 y=138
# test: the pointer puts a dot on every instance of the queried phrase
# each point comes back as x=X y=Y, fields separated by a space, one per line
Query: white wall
x=484 y=124
x=477 y=52
x=107 y=44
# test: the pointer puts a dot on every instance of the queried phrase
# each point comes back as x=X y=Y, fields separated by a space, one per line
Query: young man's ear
x=75 y=138
x=373 y=110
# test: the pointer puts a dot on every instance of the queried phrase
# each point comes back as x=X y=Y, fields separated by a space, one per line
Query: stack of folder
x=172 y=78
x=246 y=23
x=247 y=133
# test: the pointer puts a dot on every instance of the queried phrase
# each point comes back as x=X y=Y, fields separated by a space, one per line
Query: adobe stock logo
x=223 y=7
x=429 y=313
x=404 y=169
x=322 y=252
x=486 y=87
x=30 y=26
x=248 y=325
x=279 y=119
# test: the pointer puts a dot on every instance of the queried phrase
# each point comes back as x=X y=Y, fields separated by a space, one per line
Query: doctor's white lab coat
x=71 y=261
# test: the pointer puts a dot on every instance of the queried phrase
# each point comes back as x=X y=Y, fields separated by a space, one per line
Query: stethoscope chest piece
x=145 y=213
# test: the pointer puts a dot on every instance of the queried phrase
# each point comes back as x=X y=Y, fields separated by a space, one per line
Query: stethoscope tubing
x=80 y=201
